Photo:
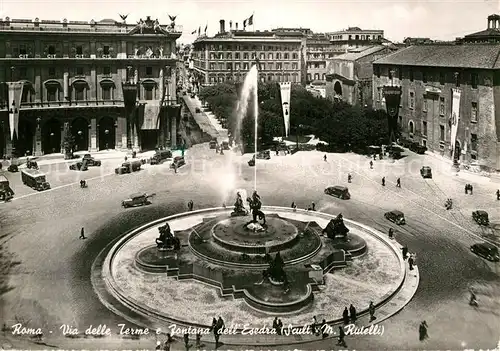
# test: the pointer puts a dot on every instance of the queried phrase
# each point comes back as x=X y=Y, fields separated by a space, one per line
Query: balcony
x=68 y=104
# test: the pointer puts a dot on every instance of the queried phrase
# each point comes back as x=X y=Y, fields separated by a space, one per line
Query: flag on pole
x=250 y=20
x=244 y=24
x=199 y=30
x=206 y=27
x=193 y=32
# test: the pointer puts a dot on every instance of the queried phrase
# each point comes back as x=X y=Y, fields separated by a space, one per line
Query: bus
x=34 y=179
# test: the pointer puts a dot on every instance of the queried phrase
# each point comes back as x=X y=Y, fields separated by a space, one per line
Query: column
x=121 y=133
x=135 y=137
x=93 y=135
x=66 y=86
x=173 y=131
x=37 y=148
x=64 y=129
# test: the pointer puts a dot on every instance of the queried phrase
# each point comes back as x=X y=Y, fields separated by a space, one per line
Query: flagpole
x=253 y=21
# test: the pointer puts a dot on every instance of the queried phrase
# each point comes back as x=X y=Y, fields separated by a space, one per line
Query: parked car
x=197 y=110
x=338 y=191
x=178 y=162
x=213 y=144
x=129 y=167
x=92 y=162
x=13 y=168
x=481 y=217
x=426 y=172
x=487 y=251
x=160 y=156
x=417 y=148
x=79 y=166
x=396 y=217
x=394 y=151
x=138 y=199
x=264 y=155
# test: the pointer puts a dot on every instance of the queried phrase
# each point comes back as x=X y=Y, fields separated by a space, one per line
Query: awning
x=151 y=114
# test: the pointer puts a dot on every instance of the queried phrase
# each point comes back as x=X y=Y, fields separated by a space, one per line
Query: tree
x=68 y=144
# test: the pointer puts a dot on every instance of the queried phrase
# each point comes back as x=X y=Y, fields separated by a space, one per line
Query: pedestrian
x=125 y=158
x=498 y=194
x=313 y=206
x=190 y=205
x=371 y=309
x=280 y=327
x=383 y=181
x=82 y=234
x=410 y=262
x=391 y=233
x=345 y=316
x=277 y=152
x=313 y=326
x=324 y=158
x=371 y=164
x=374 y=157
x=352 y=313
x=405 y=252
x=186 y=340
x=218 y=330
x=275 y=324
x=198 y=340
x=222 y=151
x=158 y=345
x=341 y=340
x=398 y=183
x=422 y=331
x=471 y=188
x=349 y=177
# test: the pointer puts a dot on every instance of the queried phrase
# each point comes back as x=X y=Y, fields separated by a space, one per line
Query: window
x=221 y=56
x=377 y=71
x=79 y=93
x=441 y=106
x=245 y=66
x=278 y=56
x=148 y=93
x=424 y=142
x=441 y=132
x=400 y=121
x=473 y=80
x=458 y=79
x=442 y=78
x=245 y=56
x=52 y=50
x=279 y=65
x=106 y=93
x=22 y=49
x=295 y=65
x=52 y=94
x=271 y=66
x=229 y=56
x=229 y=66
x=473 y=142
x=424 y=77
x=295 y=56
x=105 y=50
x=287 y=66
x=79 y=71
x=262 y=56
x=424 y=128
x=79 y=50
x=390 y=74
x=106 y=71
x=270 y=56
x=424 y=108
x=52 y=72
x=473 y=114
x=412 y=100
x=212 y=56
x=237 y=66
x=237 y=56
x=411 y=128
x=212 y=66
x=149 y=71
x=410 y=73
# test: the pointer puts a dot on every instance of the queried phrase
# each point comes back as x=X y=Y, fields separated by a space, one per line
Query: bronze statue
x=275 y=270
x=255 y=205
x=239 y=208
x=336 y=227
x=167 y=240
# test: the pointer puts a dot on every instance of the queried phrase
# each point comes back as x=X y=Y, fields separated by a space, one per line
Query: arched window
x=411 y=128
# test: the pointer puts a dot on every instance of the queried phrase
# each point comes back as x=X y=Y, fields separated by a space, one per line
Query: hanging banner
x=15 y=96
x=455 y=117
x=392 y=95
x=286 y=89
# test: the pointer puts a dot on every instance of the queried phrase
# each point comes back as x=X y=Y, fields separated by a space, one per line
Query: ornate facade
x=110 y=84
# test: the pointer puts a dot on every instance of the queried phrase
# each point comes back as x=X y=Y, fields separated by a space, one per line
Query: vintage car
x=426 y=172
x=178 y=162
x=338 y=191
x=129 y=167
x=417 y=148
x=481 y=217
x=395 y=216
x=138 y=199
x=486 y=250
x=79 y=166
x=394 y=151
x=160 y=156
x=197 y=110
x=213 y=144
x=91 y=161
x=13 y=168
x=225 y=145
x=264 y=155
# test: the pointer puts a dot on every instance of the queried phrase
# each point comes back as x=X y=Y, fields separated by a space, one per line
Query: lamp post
x=52 y=142
x=106 y=133
x=456 y=74
x=392 y=77
x=79 y=133
x=299 y=127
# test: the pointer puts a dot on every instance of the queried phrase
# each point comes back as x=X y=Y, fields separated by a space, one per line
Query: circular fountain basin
x=238 y=235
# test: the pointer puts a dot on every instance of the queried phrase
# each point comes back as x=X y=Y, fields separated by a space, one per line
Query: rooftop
x=356 y=54
x=148 y=25
x=252 y=36
x=483 y=56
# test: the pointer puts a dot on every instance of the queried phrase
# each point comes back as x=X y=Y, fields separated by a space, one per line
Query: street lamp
x=299 y=127
x=392 y=77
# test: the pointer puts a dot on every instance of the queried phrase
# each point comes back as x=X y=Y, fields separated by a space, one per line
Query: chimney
x=230 y=25
x=236 y=29
x=222 y=26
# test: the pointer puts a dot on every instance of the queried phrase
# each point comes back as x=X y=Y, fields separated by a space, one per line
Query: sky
x=442 y=20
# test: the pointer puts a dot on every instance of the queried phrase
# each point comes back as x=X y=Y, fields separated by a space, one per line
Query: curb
x=116 y=244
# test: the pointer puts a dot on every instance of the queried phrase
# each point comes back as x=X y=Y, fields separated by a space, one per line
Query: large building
x=350 y=75
x=230 y=54
x=450 y=99
x=355 y=37
x=490 y=35
x=111 y=84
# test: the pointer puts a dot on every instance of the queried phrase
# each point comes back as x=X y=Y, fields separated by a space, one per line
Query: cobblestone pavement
x=50 y=284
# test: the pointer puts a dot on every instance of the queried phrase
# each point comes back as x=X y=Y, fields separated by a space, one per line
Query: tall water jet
x=248 y=90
